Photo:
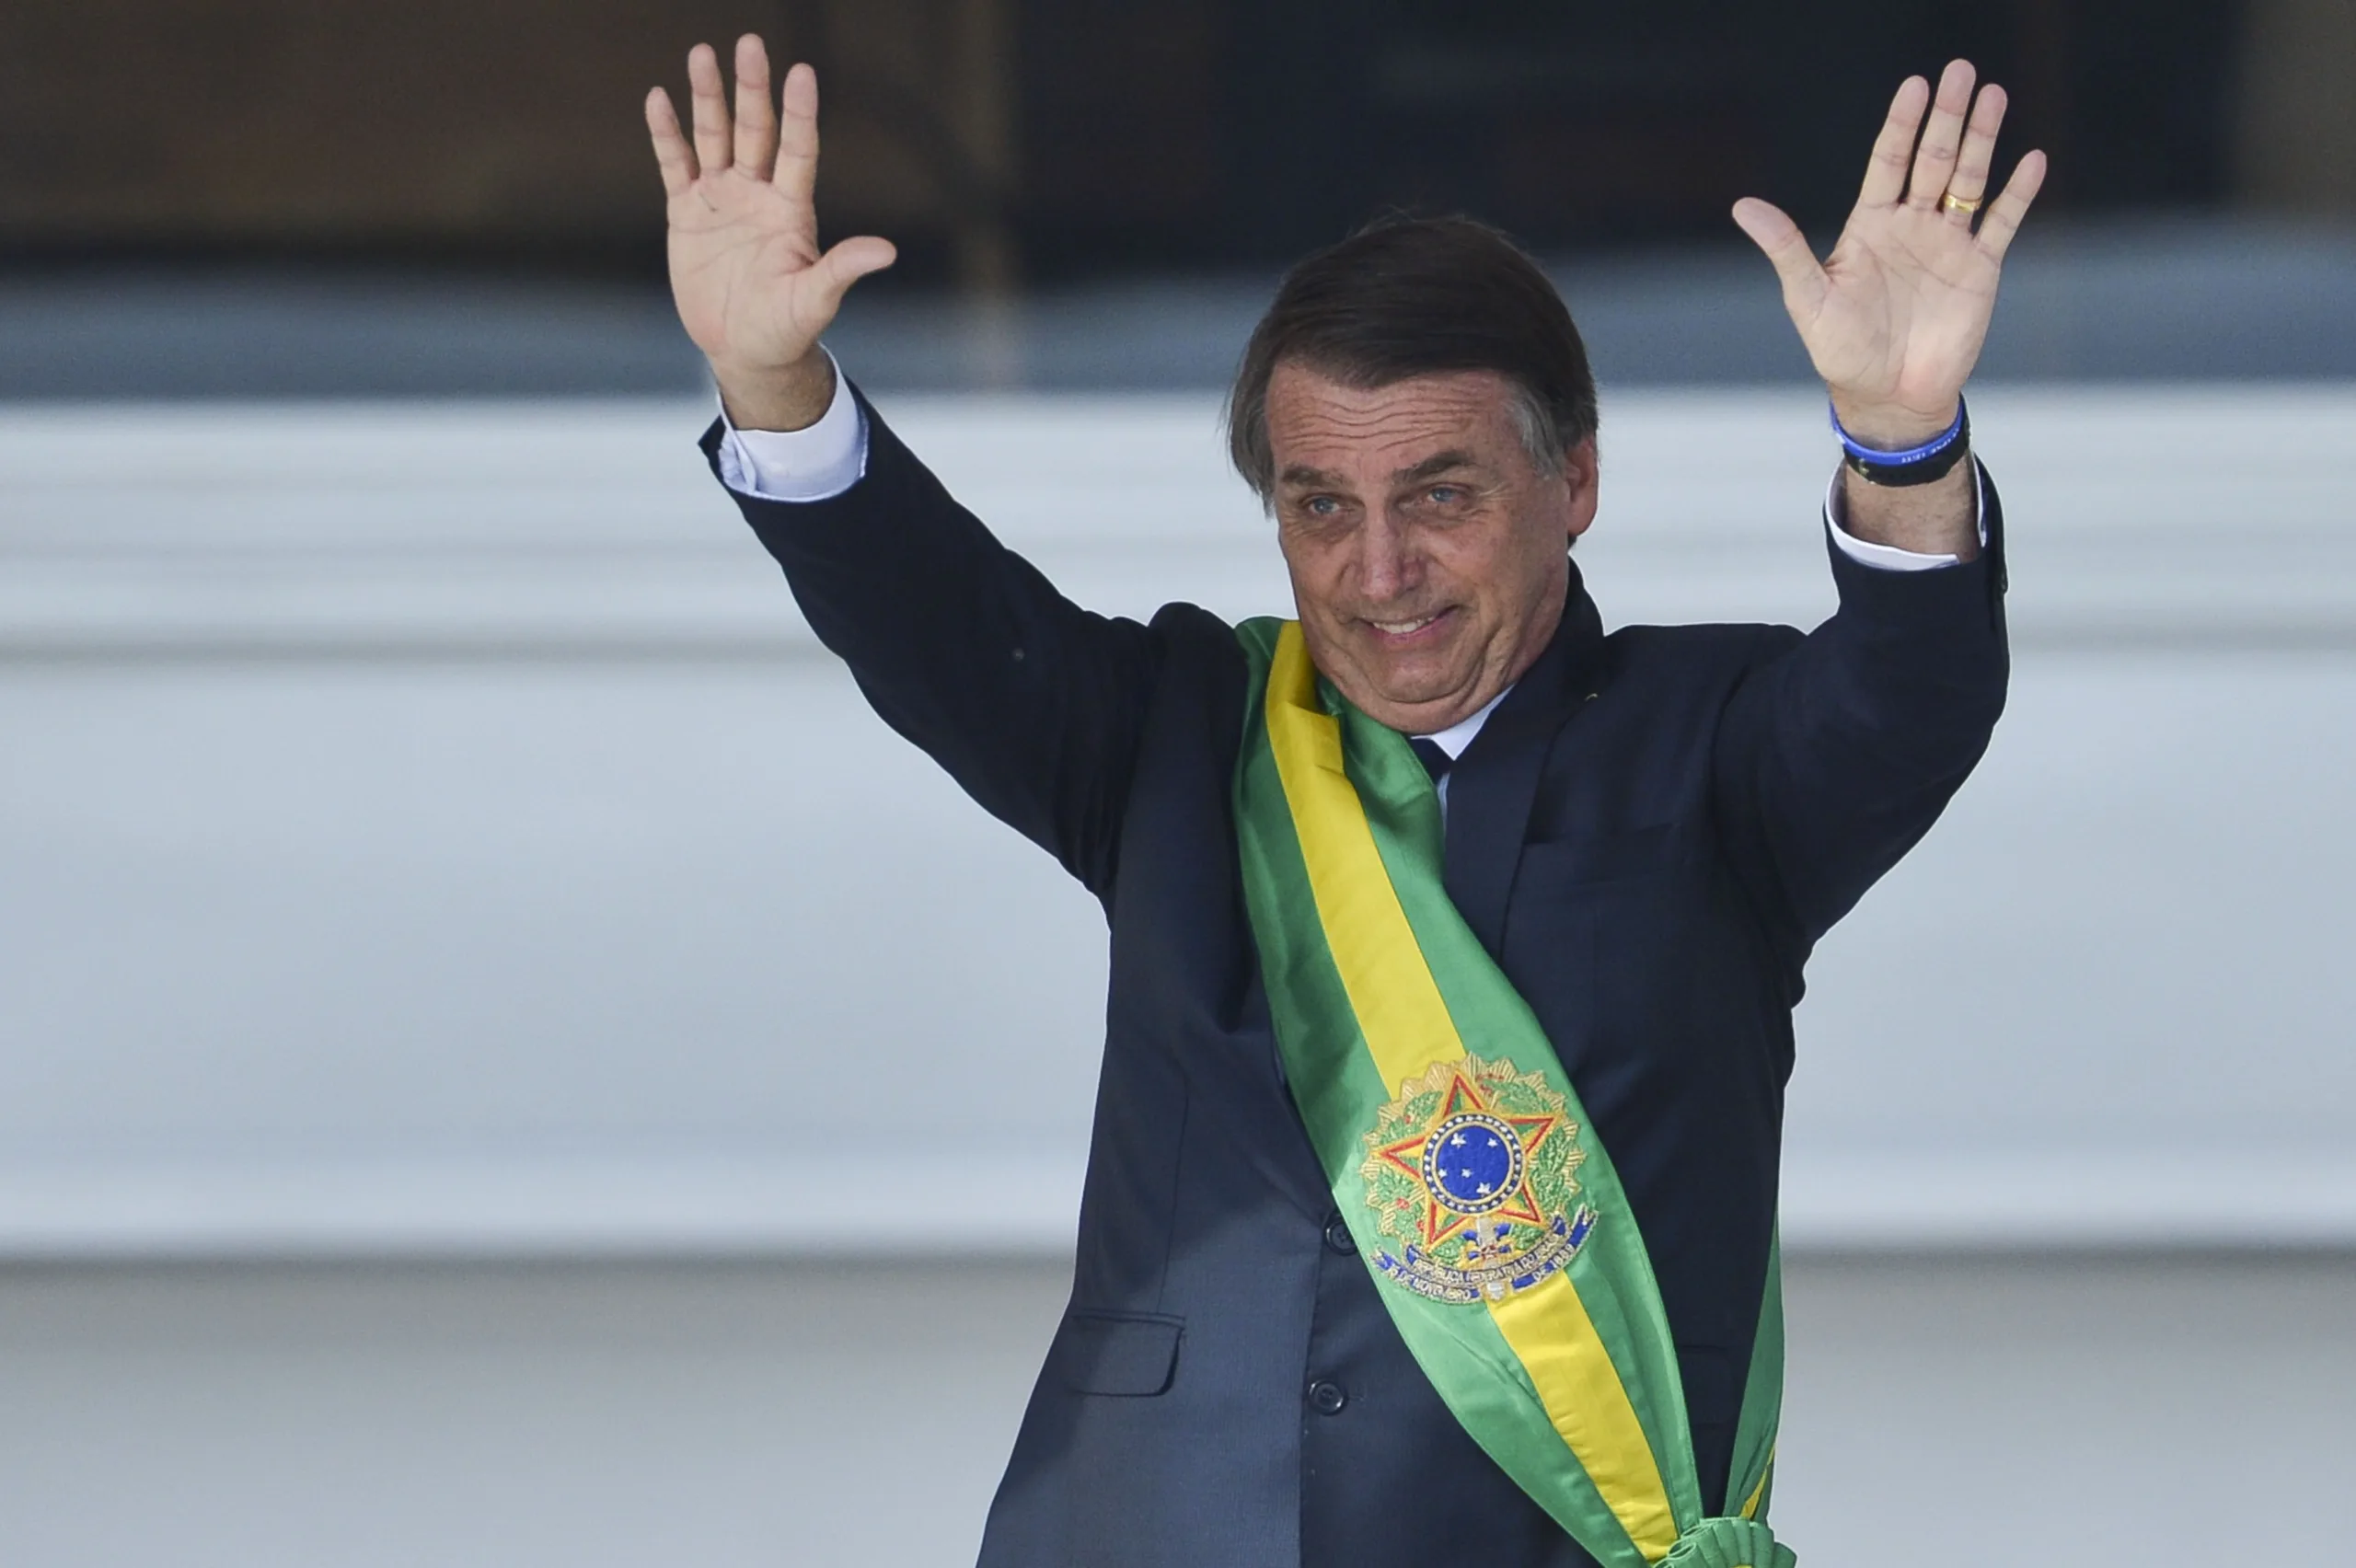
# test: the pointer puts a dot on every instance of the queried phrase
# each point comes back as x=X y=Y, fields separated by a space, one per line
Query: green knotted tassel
x=1731 y=1543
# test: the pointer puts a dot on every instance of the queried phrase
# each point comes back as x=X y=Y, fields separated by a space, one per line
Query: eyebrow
x=1438 y=462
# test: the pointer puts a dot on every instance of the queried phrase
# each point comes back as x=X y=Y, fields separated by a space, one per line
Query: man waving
x=1430 y=1211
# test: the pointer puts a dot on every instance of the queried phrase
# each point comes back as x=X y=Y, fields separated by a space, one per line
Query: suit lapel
x=1495 y=783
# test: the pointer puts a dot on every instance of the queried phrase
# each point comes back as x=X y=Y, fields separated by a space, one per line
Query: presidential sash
x=1483 y=1203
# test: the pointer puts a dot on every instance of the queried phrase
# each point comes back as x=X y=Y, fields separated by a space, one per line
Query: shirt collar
x=1456 y=736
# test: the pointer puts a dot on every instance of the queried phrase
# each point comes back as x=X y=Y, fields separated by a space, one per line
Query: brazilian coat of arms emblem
x=1470 y=1172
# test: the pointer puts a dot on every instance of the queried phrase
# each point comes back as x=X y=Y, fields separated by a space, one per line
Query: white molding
x=983 y=1205
x=487 y=528
x=587 y=1207
x=2033 y=1200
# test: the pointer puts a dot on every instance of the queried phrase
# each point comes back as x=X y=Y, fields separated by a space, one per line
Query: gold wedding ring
x=1951 y=202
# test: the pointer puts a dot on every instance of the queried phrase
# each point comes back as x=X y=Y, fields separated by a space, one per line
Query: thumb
x=849 y=261
x=1772 y=229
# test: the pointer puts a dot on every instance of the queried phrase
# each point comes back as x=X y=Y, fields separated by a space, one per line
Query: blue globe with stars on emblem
x=1473 y=1164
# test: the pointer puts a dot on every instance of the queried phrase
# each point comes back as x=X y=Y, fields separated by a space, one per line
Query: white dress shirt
x=822 y=461
x=1456 y=737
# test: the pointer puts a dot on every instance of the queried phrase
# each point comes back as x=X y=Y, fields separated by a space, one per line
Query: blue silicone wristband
x=1874 y=456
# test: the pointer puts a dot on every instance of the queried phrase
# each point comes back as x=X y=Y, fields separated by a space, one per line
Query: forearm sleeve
x=1033 y=705
x=1837 y=753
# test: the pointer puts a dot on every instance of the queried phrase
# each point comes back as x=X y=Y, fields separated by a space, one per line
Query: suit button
x=1327 y=1399
x=1337 y=1236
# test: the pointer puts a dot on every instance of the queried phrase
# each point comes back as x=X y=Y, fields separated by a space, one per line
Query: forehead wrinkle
x=1393 y=429
x=1327 y=434
x=1387 y=429
x=1402 y=411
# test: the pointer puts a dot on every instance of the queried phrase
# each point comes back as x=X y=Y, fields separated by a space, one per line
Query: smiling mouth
x=1399 y=628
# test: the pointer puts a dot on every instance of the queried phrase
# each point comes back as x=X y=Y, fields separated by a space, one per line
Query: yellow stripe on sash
x=1758 y=1493
x=1408 y=1030
x=1398 y=1004
x=1549 y=1328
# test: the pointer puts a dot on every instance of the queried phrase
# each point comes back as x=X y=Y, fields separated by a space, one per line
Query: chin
x=1419 y=698
x=1416 y=694
x=1414 y=683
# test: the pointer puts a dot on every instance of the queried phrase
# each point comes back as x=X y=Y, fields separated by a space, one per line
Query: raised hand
x=1895 y=317
x=753 y=288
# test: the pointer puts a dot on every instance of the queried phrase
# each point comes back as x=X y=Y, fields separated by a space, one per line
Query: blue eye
x=1320 y=506
x=1446 y=495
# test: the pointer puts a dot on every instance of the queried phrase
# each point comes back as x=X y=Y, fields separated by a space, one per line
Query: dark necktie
x=1436 y=761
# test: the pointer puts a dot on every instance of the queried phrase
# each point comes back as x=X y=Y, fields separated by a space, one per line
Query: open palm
x=1894 y=318
x=753 y=290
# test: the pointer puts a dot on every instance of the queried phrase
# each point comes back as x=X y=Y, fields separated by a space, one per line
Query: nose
x=1388 y=565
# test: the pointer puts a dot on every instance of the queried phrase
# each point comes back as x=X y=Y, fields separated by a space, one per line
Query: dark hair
x=1419 y=296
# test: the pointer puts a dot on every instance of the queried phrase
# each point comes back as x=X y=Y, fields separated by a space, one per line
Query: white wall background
x=1944 y=1413
x=449 y=912
x=433 y=827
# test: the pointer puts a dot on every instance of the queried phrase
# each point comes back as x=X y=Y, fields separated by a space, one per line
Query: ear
x=1580 y=475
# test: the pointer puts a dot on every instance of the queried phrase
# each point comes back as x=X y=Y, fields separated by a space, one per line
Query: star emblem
x=1465 y=1095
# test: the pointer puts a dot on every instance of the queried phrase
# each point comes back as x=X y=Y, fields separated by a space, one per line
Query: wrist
x=792 y=397
x=1891 y=426
x=1925 y=462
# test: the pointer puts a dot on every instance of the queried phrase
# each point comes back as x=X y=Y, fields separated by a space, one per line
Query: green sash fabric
x=1481 y=1201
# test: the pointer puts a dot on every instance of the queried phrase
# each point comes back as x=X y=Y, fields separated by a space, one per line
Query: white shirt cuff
x=1889 y=558
x=817 y=463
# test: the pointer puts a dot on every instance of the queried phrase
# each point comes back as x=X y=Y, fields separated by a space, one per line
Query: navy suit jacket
x=1649 y=834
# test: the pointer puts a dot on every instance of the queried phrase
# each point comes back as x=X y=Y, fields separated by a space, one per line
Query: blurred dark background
x=437 y=154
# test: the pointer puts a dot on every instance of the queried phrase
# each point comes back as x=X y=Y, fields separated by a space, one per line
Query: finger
x=797 y=159
x=2003 y=219
x=1774 y=232
x=1894 y=147
x=677 y=159
x=756 y=115
x=850 y=260
x=710 y=104
x=1935 y=160
x=1969 y=181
